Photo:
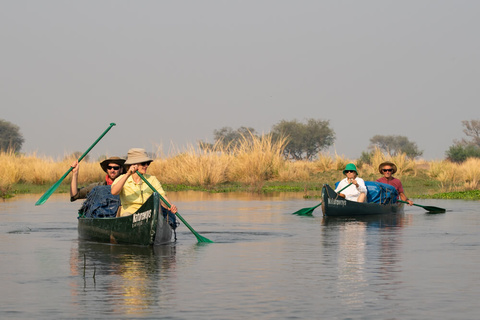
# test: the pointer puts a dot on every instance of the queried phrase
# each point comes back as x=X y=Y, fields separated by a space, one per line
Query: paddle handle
x=95 y=143
x=52 y=189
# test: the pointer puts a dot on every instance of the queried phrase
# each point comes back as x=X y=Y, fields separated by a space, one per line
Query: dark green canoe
x=148 y=226
x=336 y=206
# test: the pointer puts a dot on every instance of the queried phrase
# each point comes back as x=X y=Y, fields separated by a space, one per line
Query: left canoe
x=150 y=225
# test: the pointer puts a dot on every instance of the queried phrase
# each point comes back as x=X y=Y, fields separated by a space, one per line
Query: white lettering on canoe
x=141 y=216
x=337 y=202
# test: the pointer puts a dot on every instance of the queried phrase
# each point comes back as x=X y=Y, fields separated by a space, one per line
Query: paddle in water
x=52 y=189
x=430 y=209
x=309 y=211
x=199 y=237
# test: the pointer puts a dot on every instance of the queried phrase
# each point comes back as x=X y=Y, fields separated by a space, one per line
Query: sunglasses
x=350 y=171
x=387 y=170
x=113 y=167
x=146 y=163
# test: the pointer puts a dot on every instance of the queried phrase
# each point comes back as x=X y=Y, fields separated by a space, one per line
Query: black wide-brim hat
x=115 y=160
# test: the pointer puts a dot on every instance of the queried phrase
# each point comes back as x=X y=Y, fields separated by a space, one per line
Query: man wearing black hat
x=112 y=166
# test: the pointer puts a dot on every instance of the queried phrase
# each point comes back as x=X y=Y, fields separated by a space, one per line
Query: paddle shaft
x=428 y=208
x=348 y=185
x=199 y=237
x=49 y=192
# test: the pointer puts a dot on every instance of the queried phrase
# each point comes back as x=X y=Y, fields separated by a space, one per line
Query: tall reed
x=256 y=160
x=252 y=162
x=193 y=167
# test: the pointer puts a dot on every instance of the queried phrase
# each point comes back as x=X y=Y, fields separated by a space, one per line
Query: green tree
x=305 y=140
x=394 y=145
x=459 y=153
x=10 y=136
x=229 y=138
x=466 y=148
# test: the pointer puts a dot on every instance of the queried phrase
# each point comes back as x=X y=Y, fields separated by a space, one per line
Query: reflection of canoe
x=143 y=227
x=371 y=220
x=334 y=205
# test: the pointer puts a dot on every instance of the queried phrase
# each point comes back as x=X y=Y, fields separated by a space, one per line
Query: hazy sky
x=171 y=72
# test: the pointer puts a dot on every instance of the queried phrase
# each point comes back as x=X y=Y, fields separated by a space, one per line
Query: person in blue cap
x=357 y=191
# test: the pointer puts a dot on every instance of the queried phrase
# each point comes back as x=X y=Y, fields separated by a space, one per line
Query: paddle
x=309 y=211
x=199 y=237
x=428 y=208
x=52 y=189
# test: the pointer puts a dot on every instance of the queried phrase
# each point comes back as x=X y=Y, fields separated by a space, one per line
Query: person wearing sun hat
x=356 y=191
x=131 y=188
x=388 y=169
x=112 y=166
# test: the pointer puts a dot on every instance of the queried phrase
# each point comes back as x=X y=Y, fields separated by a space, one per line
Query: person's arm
x=118 y=184
x=340 y=186
x=173 y=208
x=361 y=187
x=404 y=198
x=158 y=186
x=74 y=183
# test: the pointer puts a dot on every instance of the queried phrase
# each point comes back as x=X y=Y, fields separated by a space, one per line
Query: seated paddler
x=131 y=188
x=356 y=190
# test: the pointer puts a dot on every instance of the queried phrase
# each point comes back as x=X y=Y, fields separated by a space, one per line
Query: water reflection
x=127 y=279
x=366 y=252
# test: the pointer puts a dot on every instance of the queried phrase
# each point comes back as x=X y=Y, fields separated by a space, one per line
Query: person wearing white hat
x=133 y=192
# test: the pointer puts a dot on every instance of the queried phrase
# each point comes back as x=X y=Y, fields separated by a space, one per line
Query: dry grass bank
x=254 y=162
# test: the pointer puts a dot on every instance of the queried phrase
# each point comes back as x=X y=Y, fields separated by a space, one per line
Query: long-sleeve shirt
x=352 y=192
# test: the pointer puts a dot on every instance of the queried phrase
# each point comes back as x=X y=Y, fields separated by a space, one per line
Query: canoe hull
x=147 y=226
x=336 y=206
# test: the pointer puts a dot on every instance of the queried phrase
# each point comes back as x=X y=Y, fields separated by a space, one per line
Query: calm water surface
x=265 y=263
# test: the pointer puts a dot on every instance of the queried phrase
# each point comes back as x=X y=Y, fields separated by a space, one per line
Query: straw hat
x=350 y=166
x=137 y=155
x=116 y=160
x=387 y=163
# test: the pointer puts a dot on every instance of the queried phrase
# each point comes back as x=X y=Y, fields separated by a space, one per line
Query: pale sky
x=171 y=72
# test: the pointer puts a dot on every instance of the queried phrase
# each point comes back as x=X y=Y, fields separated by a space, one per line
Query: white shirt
x=352 y=192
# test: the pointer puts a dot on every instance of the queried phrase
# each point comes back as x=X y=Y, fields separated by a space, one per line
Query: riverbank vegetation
x=257 y=164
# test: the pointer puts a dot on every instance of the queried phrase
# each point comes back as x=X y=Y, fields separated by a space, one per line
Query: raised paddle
x=309 y=211
x=428 y=208
x=199 y=237
x=52 y=189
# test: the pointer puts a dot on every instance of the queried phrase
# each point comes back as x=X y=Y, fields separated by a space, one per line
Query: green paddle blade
x=306 y=211
x=52 y=189
x=199 y=237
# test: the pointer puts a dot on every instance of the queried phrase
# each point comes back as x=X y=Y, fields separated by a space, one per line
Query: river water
x=265 y=263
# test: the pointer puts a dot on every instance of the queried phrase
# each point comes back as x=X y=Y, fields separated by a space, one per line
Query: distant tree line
x=305 y=140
